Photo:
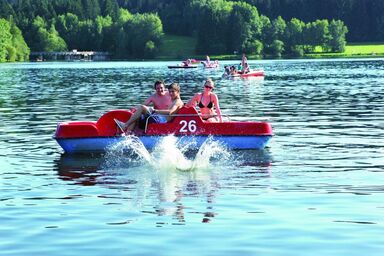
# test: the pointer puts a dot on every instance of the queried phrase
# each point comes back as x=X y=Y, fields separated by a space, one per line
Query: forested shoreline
x=135 y=28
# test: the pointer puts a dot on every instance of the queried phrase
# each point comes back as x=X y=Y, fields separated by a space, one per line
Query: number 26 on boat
x=187 y=126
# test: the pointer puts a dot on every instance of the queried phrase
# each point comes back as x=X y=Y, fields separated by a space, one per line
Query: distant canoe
x=182 y=66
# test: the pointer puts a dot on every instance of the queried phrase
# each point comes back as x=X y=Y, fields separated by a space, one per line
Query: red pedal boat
x=96 y=136
x=252 y=73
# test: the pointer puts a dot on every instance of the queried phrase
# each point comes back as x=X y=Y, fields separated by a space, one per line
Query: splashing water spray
x=129 y=151
x=210 y=150
x=168 y=154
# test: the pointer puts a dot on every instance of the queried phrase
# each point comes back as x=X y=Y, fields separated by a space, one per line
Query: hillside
x=177 y=47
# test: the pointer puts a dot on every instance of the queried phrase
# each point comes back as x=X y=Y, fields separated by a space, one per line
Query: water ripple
x=322 y=167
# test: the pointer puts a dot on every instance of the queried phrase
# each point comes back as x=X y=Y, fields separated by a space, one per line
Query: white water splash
x=210 y=150
x=129 y=151
x=168 y=169
x=168 y=154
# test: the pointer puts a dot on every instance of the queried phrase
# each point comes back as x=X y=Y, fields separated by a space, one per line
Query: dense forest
x=364 y=18
x=135 y=28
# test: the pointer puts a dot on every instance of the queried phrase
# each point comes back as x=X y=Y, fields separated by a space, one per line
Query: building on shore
x=73 y=55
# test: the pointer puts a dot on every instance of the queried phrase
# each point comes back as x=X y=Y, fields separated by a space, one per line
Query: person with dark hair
x=160 y=99
x=233 y=70
x=227 y=70
x=155 y=115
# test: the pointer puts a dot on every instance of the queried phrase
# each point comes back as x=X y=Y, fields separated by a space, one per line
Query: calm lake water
x=317 y=189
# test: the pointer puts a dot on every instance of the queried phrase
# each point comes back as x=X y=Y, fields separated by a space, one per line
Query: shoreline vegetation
x=124 y=32
x=145 y=30
x=181 y=47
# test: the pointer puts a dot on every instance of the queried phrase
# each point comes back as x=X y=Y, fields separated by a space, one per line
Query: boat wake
x=168 y=154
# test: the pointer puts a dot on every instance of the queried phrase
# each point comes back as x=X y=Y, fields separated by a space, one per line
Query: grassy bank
x=369 y=48
x=182 y=47
x=177 y=48
x=354 y=50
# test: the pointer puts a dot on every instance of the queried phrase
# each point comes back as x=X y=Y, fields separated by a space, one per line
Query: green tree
x=274 y=35
x=277 y=47
x=316 y=34
x=104 y=27
x=46 y=38
x=12 y=44
x=119 y=44
x=11 y=53
x=5 y=39
x=124 y=16
x=265 y=29
x=150 y=49
x=135 y=35
x=212 y=23
x=142 y=29
x=86 y=35
x=22 y=50
x=296 y=50
x=109 y=8
x=337 y=31
x=120 y=47
x=52 y=41
x=244 y=26
x=91 y=9
x=253 y=47
x=293 y=37
x=68 y=26
x=6 y=10
x=278 y=27
x=178 y=17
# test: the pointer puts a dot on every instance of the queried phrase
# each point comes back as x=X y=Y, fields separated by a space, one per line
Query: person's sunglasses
x=206 y=86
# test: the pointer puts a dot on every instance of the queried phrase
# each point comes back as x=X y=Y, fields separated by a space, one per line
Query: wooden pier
x=73 y=55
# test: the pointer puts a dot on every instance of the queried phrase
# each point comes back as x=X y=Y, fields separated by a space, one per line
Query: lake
x=317 y=189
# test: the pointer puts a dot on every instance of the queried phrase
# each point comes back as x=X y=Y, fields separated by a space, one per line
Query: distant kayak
x=182 y=66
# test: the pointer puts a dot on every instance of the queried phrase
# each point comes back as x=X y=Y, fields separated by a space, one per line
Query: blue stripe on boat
x=99 y=144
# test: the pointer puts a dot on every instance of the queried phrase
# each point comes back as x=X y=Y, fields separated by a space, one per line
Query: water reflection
x=80 y=169
x=324 y=164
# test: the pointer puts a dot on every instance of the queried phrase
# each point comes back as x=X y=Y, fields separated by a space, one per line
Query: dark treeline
x=135 y=28
x=364 y=18
x=99 y=25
